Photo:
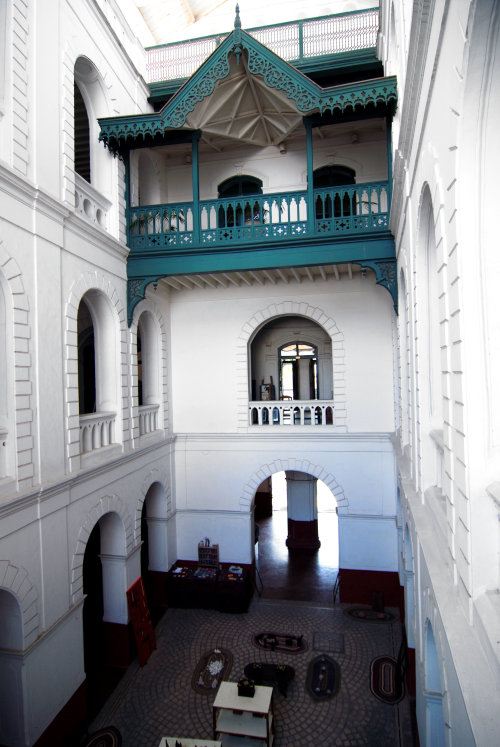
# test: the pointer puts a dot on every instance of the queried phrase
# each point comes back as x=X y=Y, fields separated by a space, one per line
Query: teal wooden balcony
x=359 y=210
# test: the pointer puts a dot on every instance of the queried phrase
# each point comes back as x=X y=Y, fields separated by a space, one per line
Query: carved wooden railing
x=338 y=211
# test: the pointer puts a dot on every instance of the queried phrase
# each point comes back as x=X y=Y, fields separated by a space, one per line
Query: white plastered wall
x=211 y=331
x=443 y=142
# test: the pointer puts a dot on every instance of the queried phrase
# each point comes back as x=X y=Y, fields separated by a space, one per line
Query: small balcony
x=96 y=431
x=148 y=419
x=292 y=413
x=354 y=210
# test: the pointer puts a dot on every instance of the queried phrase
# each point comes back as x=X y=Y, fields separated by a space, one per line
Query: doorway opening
x=101 y=679
x=288 y=572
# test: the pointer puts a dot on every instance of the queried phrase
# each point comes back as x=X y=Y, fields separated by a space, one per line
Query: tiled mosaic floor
x=158 y=699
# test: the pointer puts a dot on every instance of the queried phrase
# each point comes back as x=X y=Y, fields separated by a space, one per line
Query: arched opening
x=148 y=373
x=239 y=212
x=104 y=603
x=429 y=349
x=82 y=136
x=296 y=353
x=298 y=367
x=98 y=389
x=339 y=202
x=11 y=670
x=433 y=693
x=4 y=414
x=154 y=549
x=86 y=360
x=297 y=540
x=91 y=161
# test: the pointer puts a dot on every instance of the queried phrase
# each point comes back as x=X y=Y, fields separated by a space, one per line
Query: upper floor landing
x=251 y=157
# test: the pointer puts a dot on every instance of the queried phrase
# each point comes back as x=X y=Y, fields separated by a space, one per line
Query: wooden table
x=242 y=720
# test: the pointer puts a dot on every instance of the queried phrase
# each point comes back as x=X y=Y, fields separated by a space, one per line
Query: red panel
x=141 y=621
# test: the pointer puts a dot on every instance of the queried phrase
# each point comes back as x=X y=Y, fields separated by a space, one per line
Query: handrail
x=148 y=418
x=294 y=41
x=96 y=430
x=348 y=209
x=313 y=412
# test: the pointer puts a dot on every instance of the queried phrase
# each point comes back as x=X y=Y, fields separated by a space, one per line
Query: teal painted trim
x=136 y=290
x=388 y=127
x=385 y=274
x=196 y=186
x=357 y=61
x=310 y=167
x=118 y=133
x=332 y=213
x=251 y=257
x=377 y=254
x=126 y=161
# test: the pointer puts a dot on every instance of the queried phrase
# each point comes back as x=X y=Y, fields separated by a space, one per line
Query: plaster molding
x=155 y=476
x=17 y=581
x=291 y=308
x=296 y=465
x=91 y=280
x=148 y=304
x=106 y=504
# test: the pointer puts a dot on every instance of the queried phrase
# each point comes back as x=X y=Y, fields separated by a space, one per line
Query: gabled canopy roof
x=243 y=92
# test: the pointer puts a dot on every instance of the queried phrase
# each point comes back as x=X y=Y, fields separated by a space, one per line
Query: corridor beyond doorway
x=301 y=575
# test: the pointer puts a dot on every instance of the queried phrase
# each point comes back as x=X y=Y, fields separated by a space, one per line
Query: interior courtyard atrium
x=249 y=373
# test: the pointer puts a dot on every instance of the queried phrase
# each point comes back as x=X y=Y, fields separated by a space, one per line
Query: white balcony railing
x=148 y=419
x=296 y=41
x=291 y=412
x=97 y=430
x=90 y=204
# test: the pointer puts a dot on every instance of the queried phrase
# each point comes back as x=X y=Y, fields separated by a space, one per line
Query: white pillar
x=304 y=384
x=157 y=541
x=114 y=587
x=301 y=496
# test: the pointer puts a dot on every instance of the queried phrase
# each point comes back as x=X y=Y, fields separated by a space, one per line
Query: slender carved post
x=310 y=178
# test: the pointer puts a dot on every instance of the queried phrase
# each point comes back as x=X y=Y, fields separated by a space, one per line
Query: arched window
x=4 y=425
x=98 y=366
x=334 y=176
x=82 y=137
x=148 y=372
x=236 y=186
x=238 y=212
x=86 y=360
x=298 y=367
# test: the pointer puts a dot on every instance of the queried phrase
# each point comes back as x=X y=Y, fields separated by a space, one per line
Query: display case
x=240 y=721
x=227 y=588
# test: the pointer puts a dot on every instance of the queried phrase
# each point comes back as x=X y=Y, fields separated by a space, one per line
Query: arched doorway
x=295 y=352
x=154 y=549
x=11 y=670
x=104 y=603
x=433 y=692
x=303 y=570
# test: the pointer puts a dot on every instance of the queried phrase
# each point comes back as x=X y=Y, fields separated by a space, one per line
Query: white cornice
x=96 y=236
x=35 y=198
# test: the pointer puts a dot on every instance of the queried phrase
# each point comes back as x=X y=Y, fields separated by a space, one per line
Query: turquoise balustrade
x=161 y=226
x=354 y=209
